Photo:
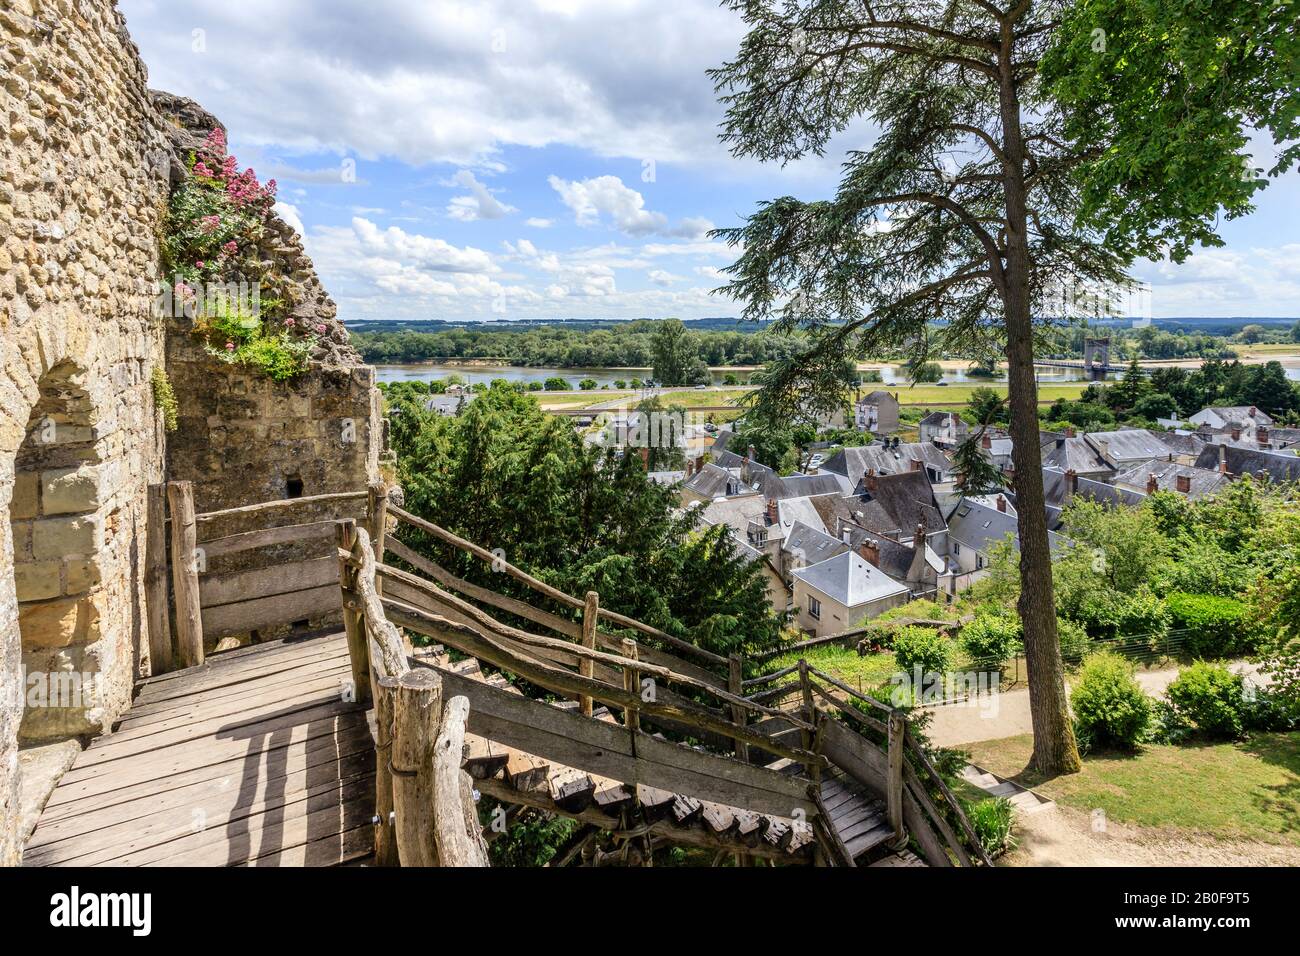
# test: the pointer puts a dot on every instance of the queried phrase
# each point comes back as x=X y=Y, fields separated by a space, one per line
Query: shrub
x=556 y=384
x=1167 y=725
x=1142 y=613
x=534 y=386
x=991 y=819
x=1217 y=626
x=1209 y=696
x=239 y=336
x=1073 y=639
x=992 y=637
x=922 y=647
x=587 y=384
x=1110 y=707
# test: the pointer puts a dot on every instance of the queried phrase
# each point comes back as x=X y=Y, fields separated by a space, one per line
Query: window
x=979 y=561
x=956 y=548
x=814 y=608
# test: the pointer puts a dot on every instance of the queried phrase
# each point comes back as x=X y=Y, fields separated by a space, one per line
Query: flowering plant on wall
x=216 y=222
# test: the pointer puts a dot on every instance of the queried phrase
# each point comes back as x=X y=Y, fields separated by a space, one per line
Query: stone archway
x=57 y=523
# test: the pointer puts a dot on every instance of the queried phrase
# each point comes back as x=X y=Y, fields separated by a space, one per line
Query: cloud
x=660 y=277
x=537 y=223
x=604 y=198
x=479 y=204
x=1220 y=282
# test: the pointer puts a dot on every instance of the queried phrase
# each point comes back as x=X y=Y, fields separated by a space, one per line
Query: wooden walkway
x=253 y=758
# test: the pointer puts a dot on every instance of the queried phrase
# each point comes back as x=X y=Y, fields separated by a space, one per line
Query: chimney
x=773 y=514
x=1185 y=484
x=1223 y=459
x=1261 y=435
x=1069 y=431
x=1071 y=481
x=1002 y=504
x=870 y=479
x=986 y=441
x=870 y=552
x=645 y=459
x=750 y=454
x=1236 y=433
x=1153 y=483
x=916 y=464
x=918 y=539
x=919 y=569
x=1253 y=411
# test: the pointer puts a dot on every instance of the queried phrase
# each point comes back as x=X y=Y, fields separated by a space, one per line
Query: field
x=1248 y=790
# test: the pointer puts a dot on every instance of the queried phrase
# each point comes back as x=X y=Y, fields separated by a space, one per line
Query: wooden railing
x=688 y=698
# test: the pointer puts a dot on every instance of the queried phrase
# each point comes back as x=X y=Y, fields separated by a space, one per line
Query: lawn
x=1244 y=790
x=931 y=395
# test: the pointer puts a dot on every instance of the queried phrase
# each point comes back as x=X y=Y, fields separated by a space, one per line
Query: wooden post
x=586 y=666
x=458 y=836
x=631 y=684
x=897 y=729
x=345 y=536
x=377 y=515
x=735 y=686
x=185 y=574
x=417 y=713
x=155 y=581
x=385 y=692
x=810 y=716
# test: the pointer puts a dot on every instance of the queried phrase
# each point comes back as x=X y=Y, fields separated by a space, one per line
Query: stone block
x=82 y=575
x=59 y=623
x=24 y=501
x=37 y=580
x=66 y=537
x=70 y=490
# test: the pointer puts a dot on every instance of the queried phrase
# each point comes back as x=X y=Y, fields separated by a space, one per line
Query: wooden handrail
x=278 y=504
x=549 y=591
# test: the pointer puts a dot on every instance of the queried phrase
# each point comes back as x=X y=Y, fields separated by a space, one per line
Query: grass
x=1244 y=790
x=925 y=395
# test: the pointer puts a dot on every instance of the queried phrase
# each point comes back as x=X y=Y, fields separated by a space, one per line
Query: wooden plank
x=571 y=789
x=894 y=781
x=606 y=749
x=526 y=773
x=185 y=576
x=287 y=504
x=587 y=666
x=718 y=817
x=155 y=581
x=237 y=586
x=266 y=537
x=271 y=611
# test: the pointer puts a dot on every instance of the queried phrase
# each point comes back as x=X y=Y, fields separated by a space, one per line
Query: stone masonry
x=88 y=155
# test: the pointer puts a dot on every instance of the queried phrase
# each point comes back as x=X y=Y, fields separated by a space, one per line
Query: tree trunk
x=1055 y=749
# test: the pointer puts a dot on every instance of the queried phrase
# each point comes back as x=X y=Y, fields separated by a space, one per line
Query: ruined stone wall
x=88 y=155
x=84 y=174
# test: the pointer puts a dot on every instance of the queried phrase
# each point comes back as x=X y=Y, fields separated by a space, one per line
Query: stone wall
x=84 y=174
x=88 y=155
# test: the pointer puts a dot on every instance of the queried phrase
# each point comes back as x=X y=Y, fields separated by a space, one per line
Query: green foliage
x=1074 y=640
x=531 y=841
x=992 y=637
x=164 y=397
x=1110 y=707
x=1161 y=95
x=922 y=372
x=587 y=384
x=976 y=472
x=1210 y=697
x=992 y=820
x=676 y=357
x=1217 y=626
x=505 y=475
x=986 y=407
x=922 y=647
x=237 y=335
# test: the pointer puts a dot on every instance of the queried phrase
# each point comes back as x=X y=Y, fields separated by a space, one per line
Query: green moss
x=164 y=397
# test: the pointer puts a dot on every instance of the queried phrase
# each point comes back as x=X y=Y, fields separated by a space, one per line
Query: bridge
x=378 y=742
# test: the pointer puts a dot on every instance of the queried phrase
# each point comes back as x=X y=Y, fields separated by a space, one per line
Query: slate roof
x=1128 y=444
x=1056 y=495
x=980 y=527
x=850 y=579
x=1204 y=481
x=940 y=418
x=812 y=544
x=712 y=481
x=898 y=503
x=1184 y=444
x=1074 y=453
x=1277 y=465
x=791 y=510
x=854 y=462
x=1240 y=414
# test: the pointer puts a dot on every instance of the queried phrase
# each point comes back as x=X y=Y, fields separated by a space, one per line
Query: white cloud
x=660 y=277
x=607 y=198
x=1225 y=283
x=479 y=204
x=538 y=223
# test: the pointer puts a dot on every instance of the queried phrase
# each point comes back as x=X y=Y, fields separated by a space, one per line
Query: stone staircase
x=1023 y=800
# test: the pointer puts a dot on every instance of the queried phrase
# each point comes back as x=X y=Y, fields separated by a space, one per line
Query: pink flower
x=289 y=322
x=199 y=264
x=201 y=169
x=230 y=248
x=320 y=329
x=230 y=346
x=209 y=224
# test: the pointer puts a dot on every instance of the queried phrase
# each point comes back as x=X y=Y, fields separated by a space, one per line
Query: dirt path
x=1007 y=714
x=1061 y=836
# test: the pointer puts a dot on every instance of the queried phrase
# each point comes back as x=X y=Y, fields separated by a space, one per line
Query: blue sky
x=542 y=158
